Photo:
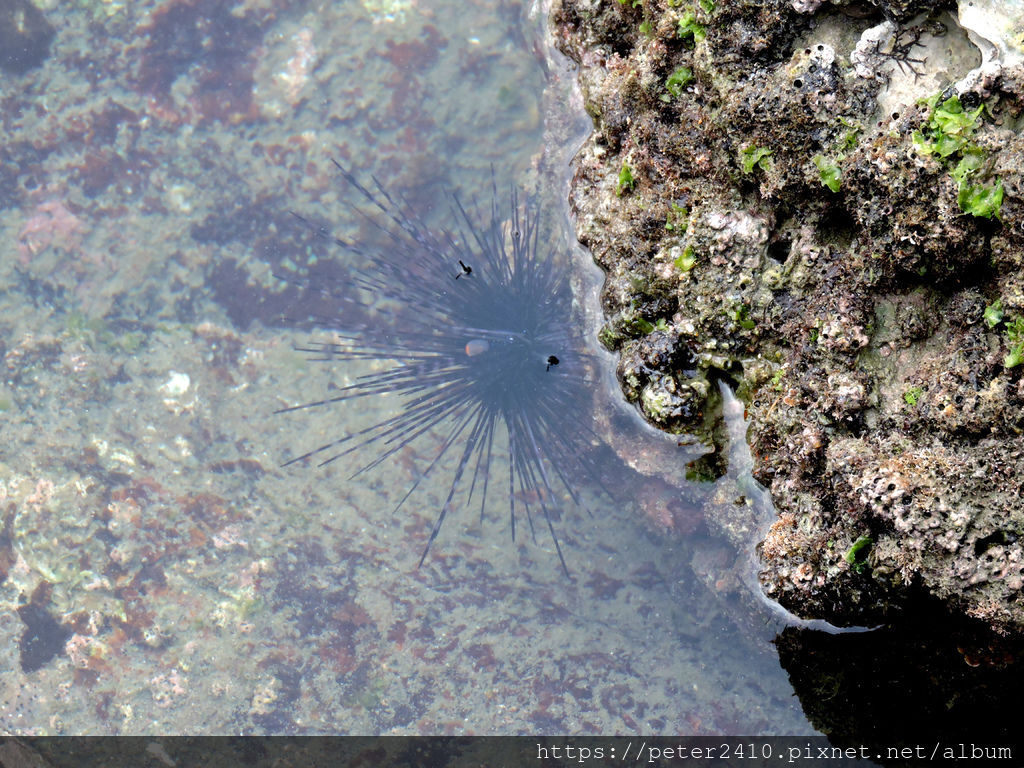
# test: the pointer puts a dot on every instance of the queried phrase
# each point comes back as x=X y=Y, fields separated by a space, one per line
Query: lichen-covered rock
x=778 y=204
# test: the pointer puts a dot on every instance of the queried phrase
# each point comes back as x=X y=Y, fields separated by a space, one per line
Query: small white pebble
x=177 y=384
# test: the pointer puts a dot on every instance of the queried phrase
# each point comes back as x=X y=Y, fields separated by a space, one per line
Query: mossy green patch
x=994 y=314
x=830 y=173
x=610 y=338
x=1015 y=334
x=626 y=180
x=741 y=316
x=675 y=219
x=755 y=157
x=947 y=134
x=690 y=30
x=849 y=139
x=948 y=128
x=686 y=260
x=857 y=554
x=981 y=200
x=675 y=83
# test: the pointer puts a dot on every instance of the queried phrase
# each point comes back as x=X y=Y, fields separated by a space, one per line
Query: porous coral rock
x=785 y=234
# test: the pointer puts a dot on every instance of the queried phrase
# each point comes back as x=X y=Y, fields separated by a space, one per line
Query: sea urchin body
x=479 y=346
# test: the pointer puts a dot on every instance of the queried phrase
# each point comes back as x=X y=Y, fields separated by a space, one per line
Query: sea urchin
x=479 y=345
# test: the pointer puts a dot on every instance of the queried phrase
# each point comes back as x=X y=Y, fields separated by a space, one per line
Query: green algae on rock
x=840 y=258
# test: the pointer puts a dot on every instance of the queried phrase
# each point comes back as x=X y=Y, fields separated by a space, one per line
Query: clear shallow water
x=199 y=587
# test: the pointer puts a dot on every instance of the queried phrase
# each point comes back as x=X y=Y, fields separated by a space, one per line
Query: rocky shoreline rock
x=821 y=204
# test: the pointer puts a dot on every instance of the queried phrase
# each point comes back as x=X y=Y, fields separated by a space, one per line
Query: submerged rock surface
x=822 y=203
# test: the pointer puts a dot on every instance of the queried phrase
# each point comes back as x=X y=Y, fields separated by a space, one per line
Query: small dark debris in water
x=44 y=637
x=249 y=467
x=25 y=36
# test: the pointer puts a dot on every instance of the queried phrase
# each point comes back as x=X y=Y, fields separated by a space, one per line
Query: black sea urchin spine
x=481 y=348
